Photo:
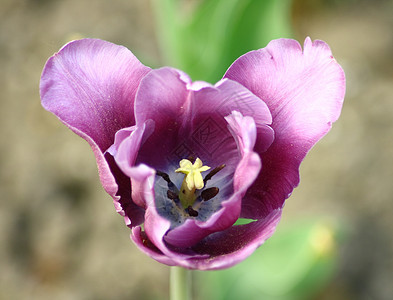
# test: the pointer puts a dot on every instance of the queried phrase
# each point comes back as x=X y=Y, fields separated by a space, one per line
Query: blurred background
x=60 y=237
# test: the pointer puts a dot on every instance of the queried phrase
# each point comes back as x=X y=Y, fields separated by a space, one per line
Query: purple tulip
x=185 y=160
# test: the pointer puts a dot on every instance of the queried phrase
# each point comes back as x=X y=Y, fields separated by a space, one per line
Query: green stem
x=180 y=284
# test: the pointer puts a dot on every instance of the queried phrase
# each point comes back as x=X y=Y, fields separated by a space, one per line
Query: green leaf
x=298 y=261
x=205 y=41
x=242 y=221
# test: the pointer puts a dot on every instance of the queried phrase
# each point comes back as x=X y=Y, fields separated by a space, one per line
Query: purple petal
x=304 y=91
x=133 y=214
x=183 y=111
x=178 y=107
x=125 y=150
x=192 y=231
x=220 y=250
x=169 y=93
x=231 y=246
x=140 y=238
x=90 y=85
x=151 y=241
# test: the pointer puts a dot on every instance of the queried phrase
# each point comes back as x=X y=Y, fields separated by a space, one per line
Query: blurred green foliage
x=204 y=40
x=295 y=263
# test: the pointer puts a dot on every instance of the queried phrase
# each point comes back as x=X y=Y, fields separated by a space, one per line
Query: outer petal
x=90 y=86
x=304 y=91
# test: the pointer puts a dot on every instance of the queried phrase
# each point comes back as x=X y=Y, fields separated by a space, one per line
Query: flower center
x=189 y=198
x=192 y=180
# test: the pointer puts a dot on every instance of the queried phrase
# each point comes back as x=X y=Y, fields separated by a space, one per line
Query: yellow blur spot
x=322 y=240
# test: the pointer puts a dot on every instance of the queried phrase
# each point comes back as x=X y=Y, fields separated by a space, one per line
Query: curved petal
x=120 y=136
x=142 y=241
x=304 y=91
x=152 y=241
x=192 y=231
x=90 y=85
x=132 y=213
x=125 y=150
x=191 y=115
x=219 y=250
x=169 y=93
x=231 y=246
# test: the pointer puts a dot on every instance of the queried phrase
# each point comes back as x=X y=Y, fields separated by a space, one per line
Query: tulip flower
x=184 y=160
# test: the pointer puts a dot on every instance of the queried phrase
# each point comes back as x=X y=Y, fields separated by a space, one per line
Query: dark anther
x=192 y=212
x=209 y=193
x=172 y=195
x=165 y=176
x=213 y=172
x=191 y=158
